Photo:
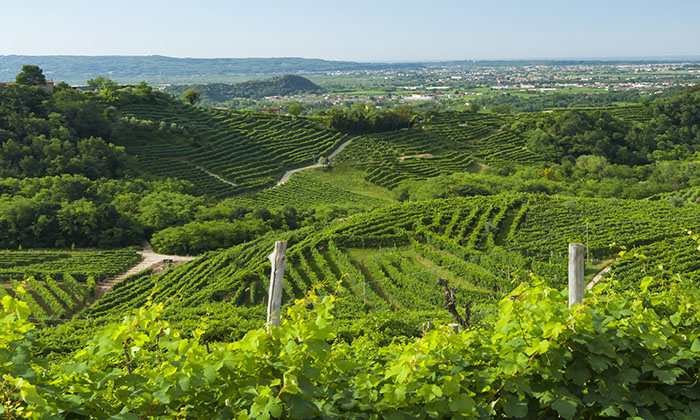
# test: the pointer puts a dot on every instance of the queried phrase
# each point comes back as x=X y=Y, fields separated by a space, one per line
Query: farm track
x=601 y=273
x=214 y=175
x=150 y=260
x=291 y=172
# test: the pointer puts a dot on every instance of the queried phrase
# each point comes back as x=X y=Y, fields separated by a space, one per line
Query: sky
x=356 y=30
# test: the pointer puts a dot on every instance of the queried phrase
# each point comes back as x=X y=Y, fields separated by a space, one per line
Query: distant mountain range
x=160 y=69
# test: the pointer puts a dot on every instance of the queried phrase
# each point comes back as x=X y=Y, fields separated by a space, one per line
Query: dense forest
x=533 y=101
x=670 y=129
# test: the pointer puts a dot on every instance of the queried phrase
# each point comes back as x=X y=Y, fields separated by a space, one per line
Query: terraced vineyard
x=408 y=239
x=390 y=258
x=460 y=126
x=484 y=136
x=688 y=195
x=448 y=143
x=415 y=154
x=205 y=183
x=675 y=254
x=79 y=264
x=419 y=167
x=609 y=224
x=502 y=147
x=635 y=113
x=248 y=150
x=59 y=282
x=303 y=191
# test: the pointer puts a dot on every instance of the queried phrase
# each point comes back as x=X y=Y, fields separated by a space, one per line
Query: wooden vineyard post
x=274 y=303
x=576 y=278
x=364 y=297
x=588 y=247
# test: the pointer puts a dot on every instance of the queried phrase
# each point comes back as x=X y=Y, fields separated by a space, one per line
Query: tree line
x=672 y=131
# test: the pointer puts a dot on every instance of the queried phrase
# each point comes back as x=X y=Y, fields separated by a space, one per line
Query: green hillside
x=396 y=207
x=127 y=164
x=278 y=86
x=387 y=261
x=249 y=150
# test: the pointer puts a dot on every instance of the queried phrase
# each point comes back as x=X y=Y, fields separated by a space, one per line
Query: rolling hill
x=246 y=151
x=288 y=84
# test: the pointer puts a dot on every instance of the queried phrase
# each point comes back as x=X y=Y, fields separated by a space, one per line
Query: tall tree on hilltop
x=295 y=108
x=31 y=75
x=192 y=95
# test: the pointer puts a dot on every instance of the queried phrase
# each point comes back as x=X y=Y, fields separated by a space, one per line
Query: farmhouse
x=274 y=110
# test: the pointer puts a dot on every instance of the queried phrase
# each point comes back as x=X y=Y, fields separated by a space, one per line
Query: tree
x=192 y=95
x=31 y=76
x=501 y=109
x=295 y=108
x=159 y=210
x=474 y=107
x=102 y=82
x=78 y=221
x=592 y=165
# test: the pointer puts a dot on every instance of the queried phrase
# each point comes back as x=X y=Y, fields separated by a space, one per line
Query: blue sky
x=360 y=30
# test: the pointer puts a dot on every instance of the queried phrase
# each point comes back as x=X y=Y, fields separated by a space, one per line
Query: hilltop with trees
x=277 y=86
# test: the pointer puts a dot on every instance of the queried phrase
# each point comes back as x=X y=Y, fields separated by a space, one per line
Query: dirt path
x=207 y=172
x=150 y=260
x=423 y=155
x=289 y=173
x=216 y=176
x=601 y=273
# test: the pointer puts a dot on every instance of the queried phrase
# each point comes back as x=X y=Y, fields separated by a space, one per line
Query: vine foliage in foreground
x=629 y=355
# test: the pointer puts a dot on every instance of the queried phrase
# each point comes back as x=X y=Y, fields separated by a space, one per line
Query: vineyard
x=687 y=195
x=632 y=113
x=390 y=259
x=205 y=183
x=306 y=191
x=484 y=136
x=58 y=283
x=248 y=150
x=445 y=144
x=373 y=270
x=391 y=173
x=538 y=358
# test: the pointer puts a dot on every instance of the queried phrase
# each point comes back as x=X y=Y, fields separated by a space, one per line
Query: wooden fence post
x=274 y=303
x=576 y=278
x=588 y=247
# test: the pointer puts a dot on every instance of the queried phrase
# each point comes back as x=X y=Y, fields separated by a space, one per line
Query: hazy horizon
x=364 y=31
x=526 y=59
